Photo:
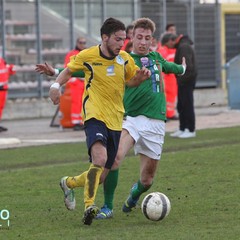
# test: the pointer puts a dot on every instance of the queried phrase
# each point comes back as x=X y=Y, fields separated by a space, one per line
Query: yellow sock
x=91 y=184
x=77 y=181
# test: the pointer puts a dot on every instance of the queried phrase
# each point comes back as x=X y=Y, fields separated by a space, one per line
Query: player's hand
x=55 y=94
x=184 y=63
x=140 y=76
x=143 y=74
x=45 y=68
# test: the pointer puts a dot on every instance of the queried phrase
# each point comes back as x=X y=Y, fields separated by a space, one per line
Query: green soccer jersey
x=148 y=99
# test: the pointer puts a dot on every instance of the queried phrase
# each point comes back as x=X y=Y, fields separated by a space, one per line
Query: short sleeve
x=130 y=68
x=76 y=63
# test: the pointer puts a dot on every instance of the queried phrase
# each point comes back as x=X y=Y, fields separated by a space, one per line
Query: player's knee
x=100 y=160
x=115 y=166
x=117 y=162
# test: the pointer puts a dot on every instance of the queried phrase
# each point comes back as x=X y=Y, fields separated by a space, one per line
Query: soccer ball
x=156 y=206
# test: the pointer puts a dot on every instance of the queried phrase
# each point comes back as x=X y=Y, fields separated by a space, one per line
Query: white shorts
x=148 y=135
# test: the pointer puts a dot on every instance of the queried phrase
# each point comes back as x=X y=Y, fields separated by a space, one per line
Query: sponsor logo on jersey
x=97 y=64
x=120 y=60
x=145 y=61
x=110 y=71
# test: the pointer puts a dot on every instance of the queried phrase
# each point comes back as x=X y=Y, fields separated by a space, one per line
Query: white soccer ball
x=156 y=206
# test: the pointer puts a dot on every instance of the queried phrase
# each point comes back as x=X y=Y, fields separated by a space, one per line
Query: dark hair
x=170 y=25
x=168 y=36
x=129 y=27
x=112 y=25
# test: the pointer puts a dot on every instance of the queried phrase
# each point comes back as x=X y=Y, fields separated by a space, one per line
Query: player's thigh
x=99 y=154
x=96 y=143
x=125 y=144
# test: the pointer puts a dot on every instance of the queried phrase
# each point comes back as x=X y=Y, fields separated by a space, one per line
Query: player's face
x=142 y=39
x=115 y=42
x=172 y=30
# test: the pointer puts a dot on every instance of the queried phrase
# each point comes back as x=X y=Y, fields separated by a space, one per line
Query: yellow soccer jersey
x=104 y=84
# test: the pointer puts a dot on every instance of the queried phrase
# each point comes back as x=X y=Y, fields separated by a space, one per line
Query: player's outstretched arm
x=54 y=92
x=140 y=76
x=45 y=69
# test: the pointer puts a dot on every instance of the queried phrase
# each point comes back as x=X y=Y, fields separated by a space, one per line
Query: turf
x=200 y=176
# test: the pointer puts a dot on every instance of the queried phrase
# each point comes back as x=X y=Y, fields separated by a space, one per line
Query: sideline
x=10 y=141
x=35 y=132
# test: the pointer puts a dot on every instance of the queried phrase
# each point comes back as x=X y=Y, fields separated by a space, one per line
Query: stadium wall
x=38 y=108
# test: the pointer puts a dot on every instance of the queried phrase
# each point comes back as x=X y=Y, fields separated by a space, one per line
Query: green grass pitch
x=201 y=177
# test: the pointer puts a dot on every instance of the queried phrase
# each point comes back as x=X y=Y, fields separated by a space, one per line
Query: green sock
x=138 y=190
x=109 y=187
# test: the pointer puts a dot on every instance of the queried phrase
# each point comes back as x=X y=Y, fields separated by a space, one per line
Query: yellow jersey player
x=107 y=70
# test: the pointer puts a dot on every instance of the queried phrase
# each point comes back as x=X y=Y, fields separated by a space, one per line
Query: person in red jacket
x=129 y=34
x=6 y=70
x=76 y=87
x=155 y=45
x=167 y=50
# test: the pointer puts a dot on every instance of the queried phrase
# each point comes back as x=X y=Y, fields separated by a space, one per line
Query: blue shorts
x=96 y=130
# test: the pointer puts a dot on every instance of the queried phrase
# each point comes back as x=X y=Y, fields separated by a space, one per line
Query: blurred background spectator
x=71 y=100
x=186 y=86
x=167 y=50
x=6 y=70
x=129 y=33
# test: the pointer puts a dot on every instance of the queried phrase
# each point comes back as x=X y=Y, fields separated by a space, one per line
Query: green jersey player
x=145 y=117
